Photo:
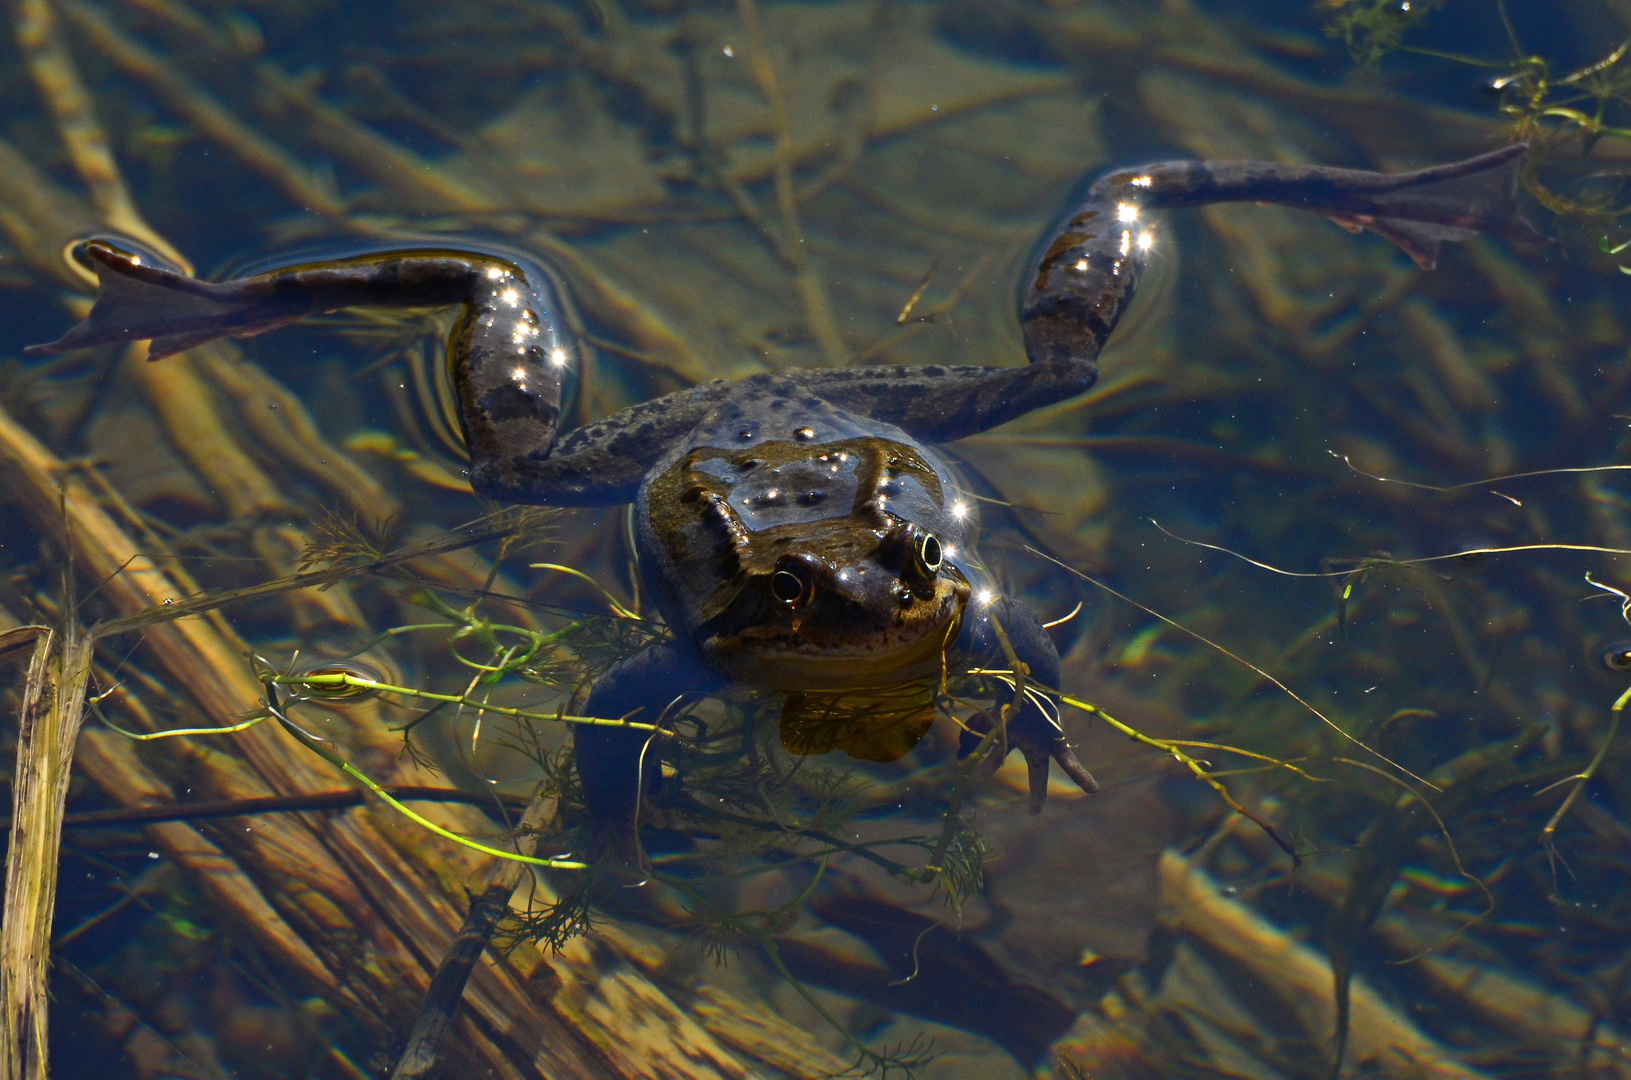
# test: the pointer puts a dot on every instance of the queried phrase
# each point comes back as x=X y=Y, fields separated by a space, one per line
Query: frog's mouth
x=837 y=641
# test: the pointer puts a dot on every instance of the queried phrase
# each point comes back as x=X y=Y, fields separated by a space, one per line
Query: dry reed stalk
x=184 y=406
x=53 y=708
x=111 y=763
x=1379 y=1037
x=416 y=183
x=343 y=882
x=38 y=218
x=283 y=427
x=70 y=104
x=818 y=316
x=203 y=112
x=378 y=921
x=488 y=905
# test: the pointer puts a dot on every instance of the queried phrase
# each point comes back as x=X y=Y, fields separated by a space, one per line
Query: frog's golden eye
x=788 y=587
x=1617 y=656
x=928 y=549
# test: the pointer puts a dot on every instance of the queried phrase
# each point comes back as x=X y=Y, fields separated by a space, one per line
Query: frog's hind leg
x=1087 y=270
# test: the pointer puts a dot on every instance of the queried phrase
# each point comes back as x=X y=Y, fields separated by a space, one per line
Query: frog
x=801 y=530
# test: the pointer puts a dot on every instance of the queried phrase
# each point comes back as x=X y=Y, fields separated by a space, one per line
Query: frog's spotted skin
x=796 y=529
x=777 y=480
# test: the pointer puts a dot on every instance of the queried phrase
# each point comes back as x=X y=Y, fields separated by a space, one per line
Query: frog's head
x=842 y=602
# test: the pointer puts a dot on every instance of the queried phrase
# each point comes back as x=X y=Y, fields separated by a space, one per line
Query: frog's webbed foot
x=1041 y=745
x=1039 y=740
x=1033 y=729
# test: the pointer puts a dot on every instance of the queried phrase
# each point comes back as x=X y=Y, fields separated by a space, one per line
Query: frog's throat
x=784 y=660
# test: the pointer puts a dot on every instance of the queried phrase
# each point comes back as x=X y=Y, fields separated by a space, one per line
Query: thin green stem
x=341 y=679
x=315 y=746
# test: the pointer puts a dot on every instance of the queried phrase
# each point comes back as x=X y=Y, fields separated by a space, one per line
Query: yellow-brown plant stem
x=48 y=725
x=334 y=879
x=183 y=404
x=818 y=316
x=58 y=80
x=1379 y=1035
x=203 y=112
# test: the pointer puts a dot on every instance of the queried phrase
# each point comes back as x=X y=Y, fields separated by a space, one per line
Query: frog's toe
x=974 y=731
x=1039 y=752
x=613 y=841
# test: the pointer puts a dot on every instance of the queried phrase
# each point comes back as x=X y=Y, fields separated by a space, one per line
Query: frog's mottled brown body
x=796 y=528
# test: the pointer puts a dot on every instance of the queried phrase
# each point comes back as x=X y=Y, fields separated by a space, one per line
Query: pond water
x=1343 y=543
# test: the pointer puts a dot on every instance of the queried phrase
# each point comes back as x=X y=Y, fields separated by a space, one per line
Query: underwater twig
x=1236 y=658
x=1196 y=768
x=487 y=907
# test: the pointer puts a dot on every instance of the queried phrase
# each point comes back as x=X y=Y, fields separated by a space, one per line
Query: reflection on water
x=1395 y=665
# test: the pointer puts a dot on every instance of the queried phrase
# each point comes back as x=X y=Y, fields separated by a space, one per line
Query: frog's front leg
x=1034 y=728
x=617 y=766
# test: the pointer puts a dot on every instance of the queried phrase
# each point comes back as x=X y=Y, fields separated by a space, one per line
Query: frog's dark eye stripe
x=928 y=549
x=787 y=587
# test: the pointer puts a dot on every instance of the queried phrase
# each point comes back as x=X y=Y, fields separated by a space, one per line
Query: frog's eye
x=788 y=587
x=1617 y=656
x=928 y=549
